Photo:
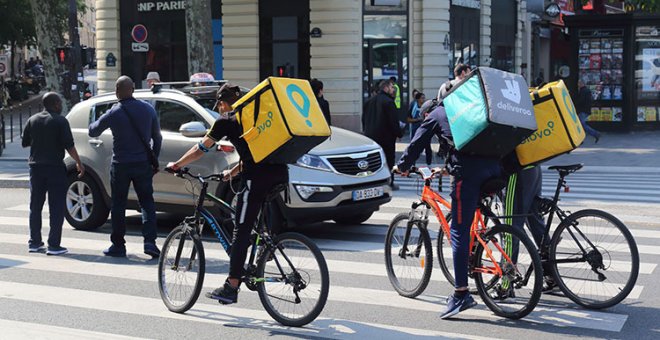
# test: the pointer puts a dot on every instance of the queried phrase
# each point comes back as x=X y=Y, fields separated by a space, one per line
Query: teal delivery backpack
x=490 y=112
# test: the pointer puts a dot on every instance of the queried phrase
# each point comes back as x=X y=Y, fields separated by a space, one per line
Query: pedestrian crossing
x=361 y=303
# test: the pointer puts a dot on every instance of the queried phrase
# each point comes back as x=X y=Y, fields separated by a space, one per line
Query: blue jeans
x=588 y=129
x=465 y=195
x=121 y=177
x=49 y=179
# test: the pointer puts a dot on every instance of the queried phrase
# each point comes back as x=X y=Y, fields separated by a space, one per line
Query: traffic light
x=63 y=54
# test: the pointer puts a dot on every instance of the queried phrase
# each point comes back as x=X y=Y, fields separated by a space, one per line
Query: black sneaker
x=549 y=286
x=36 y=248
x=226 y=294
x=152 y=250
x=115 y=251
x=56 y=250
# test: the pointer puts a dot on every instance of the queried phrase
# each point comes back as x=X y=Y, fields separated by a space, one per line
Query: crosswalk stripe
x=28 y=330
x=321 y=328
x=154 y=307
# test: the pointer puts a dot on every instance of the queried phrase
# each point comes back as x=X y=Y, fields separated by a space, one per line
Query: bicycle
x=571 y=251
x=288 y=271
x=503 y=261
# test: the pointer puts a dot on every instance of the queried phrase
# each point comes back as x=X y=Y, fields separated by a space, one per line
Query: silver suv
x=344 y=179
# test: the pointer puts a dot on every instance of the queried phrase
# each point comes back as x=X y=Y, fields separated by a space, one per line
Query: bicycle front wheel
x=408 y=256
x=445 y=253
x=181 y=269
x=293 y=280
x=516 y=291
x=594 y=259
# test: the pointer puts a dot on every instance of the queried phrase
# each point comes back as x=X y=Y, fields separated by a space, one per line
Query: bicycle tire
x=621 y=287
x=163 y=263
x=443 y=244
x=263 y=283
x=498 y=304
x=418 y=285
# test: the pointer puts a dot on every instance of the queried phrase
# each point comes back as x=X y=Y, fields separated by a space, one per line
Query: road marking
x=213 y=314
x=28 y=330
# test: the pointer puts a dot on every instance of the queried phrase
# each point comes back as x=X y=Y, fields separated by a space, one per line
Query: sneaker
x=549 y=286
x=395 y=187
x=56 y=250
x=37 y=248
x=502 y=294
x=456 y=304
x=152 y=250
x=115 y=251
x=225 y=295
x=597 y=138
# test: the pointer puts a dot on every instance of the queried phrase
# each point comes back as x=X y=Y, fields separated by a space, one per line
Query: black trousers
x=256 y=185
x=49 y=179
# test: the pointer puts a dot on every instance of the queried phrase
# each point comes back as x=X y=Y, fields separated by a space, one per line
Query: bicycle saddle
x=567 y=168
x=492 y=185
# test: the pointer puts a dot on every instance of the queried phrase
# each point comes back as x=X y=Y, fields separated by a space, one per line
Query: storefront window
x=385 y=26
x=601 y=69
x=464 y=30
x=503 y=34
x=647 y=73
x=386 y=5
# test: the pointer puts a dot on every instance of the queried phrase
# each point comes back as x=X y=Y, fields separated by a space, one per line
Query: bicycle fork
x=422 y=222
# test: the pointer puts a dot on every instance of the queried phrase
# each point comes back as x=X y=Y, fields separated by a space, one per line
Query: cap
x=153 y=75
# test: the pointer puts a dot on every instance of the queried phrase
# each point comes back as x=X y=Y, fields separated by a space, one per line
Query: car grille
x=350 y=164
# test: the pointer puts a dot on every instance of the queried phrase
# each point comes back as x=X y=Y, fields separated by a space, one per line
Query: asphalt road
x=86 y=295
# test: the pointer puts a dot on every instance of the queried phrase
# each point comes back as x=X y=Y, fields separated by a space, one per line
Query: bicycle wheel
x=445 y=254
x=293 y=280
x=605 y=272
x=181 y=284
x=517 y=291
x=408 y=268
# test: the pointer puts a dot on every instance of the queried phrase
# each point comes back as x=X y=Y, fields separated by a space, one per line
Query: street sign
x=4 y=65
x=140 y=47
x=139 y=33
x=552 y=10
x=110 y=60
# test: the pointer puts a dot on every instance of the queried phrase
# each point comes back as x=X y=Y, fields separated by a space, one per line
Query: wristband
x=201 y=147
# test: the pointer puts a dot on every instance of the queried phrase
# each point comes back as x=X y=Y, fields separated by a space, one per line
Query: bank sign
x=150 y=6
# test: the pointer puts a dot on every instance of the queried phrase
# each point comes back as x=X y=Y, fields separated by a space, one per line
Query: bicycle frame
x=433 y=200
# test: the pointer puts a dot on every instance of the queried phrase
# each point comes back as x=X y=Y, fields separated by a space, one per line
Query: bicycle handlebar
x=185 y=171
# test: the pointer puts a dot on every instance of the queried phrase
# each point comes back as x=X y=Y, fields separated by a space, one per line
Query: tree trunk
x=47 y=40
x=199 y=36
x=12 y=60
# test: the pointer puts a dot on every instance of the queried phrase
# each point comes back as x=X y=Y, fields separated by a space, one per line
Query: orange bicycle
x=503 y=261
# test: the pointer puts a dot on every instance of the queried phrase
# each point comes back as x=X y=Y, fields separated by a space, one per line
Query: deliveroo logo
x=302 y=109
x=512 y=91
x=571 y=110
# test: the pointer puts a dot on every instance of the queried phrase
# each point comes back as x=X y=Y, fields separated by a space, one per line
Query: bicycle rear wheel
x=594 y=259
x=180 y=282
x=516 y=292
x=408 y=265
x=293 y=280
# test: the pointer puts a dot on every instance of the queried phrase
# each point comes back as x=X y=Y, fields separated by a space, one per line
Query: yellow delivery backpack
x=281 y=120
x=559 y=128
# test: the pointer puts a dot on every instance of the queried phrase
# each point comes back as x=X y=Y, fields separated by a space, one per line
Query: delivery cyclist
x=469 y=172
x=257 y=180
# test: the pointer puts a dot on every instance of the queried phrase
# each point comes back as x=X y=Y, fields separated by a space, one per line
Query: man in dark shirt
x=583 y=107
x=257 y=181
x=380 y=121
x=317 y=87
x=469 y=172
x=48 y=134
x=132 y=122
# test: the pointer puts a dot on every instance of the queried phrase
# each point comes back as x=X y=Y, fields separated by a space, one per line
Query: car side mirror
x=193 y=129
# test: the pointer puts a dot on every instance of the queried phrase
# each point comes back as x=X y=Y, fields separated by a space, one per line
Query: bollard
x=11 y=127
x=20 y=124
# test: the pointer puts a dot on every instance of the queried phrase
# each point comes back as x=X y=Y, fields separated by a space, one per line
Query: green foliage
x=649 y=6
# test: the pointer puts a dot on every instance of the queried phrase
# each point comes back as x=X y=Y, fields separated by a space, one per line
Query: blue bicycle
x=288 y=270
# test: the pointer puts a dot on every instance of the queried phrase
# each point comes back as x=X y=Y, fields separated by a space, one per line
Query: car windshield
x=212 y=113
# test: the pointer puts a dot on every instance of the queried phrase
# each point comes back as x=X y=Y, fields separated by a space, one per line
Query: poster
x=647 y=114
x=595 y=114
x=617 y=114
x=606 y=114
x=594 y=61
x=651 y=69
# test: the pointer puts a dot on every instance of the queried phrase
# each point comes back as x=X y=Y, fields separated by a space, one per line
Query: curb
x=13 y=159
x=18 y=183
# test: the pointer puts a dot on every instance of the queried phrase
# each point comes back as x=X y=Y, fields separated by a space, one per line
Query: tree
x=651 y=6
x=199 y=36
x=16 y=28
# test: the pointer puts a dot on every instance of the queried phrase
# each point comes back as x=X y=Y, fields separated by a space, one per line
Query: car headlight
x=312 y=162
x=306 y=191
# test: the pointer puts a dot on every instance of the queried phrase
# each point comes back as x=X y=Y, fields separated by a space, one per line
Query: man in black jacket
x=583 y=107
x=380 y=121
x=317 y=87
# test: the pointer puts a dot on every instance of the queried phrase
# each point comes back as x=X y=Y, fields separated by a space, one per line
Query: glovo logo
x=571 y=109
x=265 y=125
x=302 y=109
x=540 y=133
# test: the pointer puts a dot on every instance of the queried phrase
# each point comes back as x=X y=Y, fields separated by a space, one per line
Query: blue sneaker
x=152 y=250
x=456 y=305
x=36 y=248
x=115 y=251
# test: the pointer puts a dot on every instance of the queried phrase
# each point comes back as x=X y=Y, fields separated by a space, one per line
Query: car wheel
x=85 y=207
x=354 y=219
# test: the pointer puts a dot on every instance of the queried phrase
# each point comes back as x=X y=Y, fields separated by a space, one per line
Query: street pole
x=75 y=67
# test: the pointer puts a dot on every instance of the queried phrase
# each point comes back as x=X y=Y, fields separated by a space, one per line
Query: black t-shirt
x=227 y=126
x=47 y=135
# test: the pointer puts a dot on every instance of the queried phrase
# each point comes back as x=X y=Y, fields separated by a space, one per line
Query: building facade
x=348 y=44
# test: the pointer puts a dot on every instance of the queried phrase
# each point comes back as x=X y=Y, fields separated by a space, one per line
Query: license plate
x=365 y=194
